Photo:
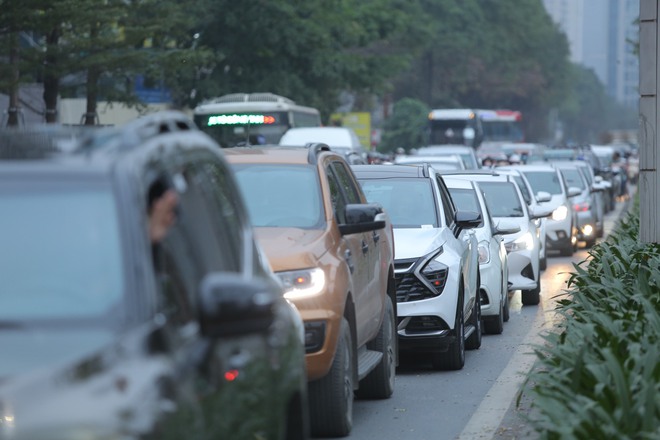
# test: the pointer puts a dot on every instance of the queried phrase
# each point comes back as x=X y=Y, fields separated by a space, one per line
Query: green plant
x=598 y=374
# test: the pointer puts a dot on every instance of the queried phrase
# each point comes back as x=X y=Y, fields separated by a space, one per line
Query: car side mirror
x=505 y=227
x=362 y=217
x=543 y=196
x=539 y=212
x=574 y=191
x=466 y=220
x=233 y=305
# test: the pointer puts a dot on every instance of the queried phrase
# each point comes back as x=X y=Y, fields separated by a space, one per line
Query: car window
x=547 y=181
x=68 y=235
x=502 y=199
x=225 y=209
x=336 y=198
x=466 y=199
x=572 y=177
x=348 y=186
x=448 y=207
x=279 y=195
x=408 y=202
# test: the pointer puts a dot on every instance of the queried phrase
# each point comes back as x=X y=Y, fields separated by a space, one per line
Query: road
x=475 y=402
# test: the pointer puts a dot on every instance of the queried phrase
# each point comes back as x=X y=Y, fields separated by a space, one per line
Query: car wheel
x=454 y=357
x=567 y=250
x=494 y=325
x=506 y=315
x=532 y=297
x=379 y=384
x=474 y=340
x=331 y=397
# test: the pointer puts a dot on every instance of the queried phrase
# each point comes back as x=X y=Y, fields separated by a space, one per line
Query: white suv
x=436 y=261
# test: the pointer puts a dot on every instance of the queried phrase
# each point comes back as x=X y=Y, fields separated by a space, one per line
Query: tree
x=406 y=127
x=310 y=50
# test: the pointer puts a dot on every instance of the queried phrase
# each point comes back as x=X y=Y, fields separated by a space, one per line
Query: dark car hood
x=54 y=382
x=25 y=350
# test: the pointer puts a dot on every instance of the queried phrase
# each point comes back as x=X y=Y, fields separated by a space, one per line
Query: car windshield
x=547 y=181
x=286 y=196
x=572 y=177
x=61 y=253
x=502 y=199
x=408 y=202
x=466 y=199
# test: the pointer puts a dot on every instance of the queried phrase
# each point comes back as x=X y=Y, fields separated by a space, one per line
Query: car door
x=360 y=247
x=246 y=363
x=466 y=241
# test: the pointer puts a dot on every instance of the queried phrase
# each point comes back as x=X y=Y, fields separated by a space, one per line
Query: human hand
x=163 y=215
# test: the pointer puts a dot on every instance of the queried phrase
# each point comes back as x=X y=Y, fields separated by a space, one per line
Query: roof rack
x=482 y=172
x=40 y=140
x=139 y=130
x=314 y=149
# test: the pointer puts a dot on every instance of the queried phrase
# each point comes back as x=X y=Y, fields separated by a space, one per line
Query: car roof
x=274 y=154
x=86 y=149
x=530 y=167
x=457 y=182
x=389 y=171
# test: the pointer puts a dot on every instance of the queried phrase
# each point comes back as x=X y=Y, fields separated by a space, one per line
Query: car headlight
x=560 y=213
x=302 y=283
x=525 y=241
x=484 y=252
x=435 y=274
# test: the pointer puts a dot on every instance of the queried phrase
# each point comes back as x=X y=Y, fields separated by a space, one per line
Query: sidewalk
x=514 y=424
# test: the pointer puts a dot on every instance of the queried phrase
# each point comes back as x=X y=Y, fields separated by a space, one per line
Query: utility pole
x=649 y=160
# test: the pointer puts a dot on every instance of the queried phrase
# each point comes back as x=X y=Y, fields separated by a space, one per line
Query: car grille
x=410 y=288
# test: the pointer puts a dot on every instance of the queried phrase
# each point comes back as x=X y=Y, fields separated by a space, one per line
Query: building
x=602 y=36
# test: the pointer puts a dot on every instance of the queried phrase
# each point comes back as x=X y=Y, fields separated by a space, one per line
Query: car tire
x=454 y=357
x=506 y=314
x=567 y=251
x=474 y=340
x=494 y=325
x=379 y=383
x=331 y=397
x=532 y=297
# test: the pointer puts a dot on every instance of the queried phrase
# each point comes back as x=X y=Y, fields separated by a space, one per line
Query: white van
x=340 y=139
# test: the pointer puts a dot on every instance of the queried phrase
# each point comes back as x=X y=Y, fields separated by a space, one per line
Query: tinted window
x=466 y=200
x=547 y=181
x=281 y=195
x=502 y=199
x=225 y=207
x=408 y=202
x=347 y=184
x=61 y=252
x=572 y=177
x=523 y=188
x=302 y=119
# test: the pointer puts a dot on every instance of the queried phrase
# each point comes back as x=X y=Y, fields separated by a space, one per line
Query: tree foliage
x=405 y=129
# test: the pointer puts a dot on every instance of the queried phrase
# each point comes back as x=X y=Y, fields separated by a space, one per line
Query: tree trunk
x=51 y=77
x=12 y=111
x=90 y=117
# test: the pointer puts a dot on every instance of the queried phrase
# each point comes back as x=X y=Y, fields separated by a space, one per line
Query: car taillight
x=581 y=207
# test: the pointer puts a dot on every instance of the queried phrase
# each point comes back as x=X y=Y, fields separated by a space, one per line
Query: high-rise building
x=601 y=36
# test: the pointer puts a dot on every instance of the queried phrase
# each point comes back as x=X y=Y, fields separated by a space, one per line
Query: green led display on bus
x=238 y=119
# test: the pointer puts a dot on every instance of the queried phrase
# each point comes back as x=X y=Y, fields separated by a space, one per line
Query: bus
x=252 y=118
x=456 y=126
x=502 y=126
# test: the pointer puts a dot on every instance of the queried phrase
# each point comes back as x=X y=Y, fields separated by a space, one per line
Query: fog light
x=314 y=336
x=587 y=230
